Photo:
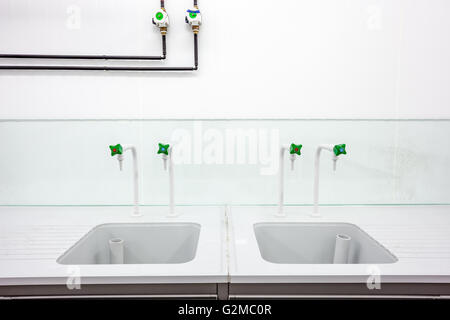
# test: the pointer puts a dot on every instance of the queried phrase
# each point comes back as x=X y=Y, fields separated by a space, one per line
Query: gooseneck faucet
x=337 y=150
x=119 y=150
x=165 y=151
x=294 y=151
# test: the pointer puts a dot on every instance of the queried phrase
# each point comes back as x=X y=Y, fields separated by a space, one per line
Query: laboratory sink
x=319 y=243
x=135 y=243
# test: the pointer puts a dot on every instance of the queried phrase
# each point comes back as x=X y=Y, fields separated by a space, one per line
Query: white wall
x=69 y=162
x=313 y=59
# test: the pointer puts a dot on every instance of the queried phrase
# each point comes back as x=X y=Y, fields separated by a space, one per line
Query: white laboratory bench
x=228 y=263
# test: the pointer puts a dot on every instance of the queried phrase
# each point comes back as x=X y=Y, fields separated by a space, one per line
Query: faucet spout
x=292 y=158
x=165 y=157
x=335 y=159
x=120 y=159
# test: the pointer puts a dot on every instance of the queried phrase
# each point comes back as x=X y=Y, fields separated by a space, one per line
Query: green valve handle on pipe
x=161 y=20
x=295 y=149
x=159 y=15
x=117 y=149
x=339 y=149
x=163 y=149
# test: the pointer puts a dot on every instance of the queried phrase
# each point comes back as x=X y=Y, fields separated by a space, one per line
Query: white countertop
x=418 y=235
x=32 y=238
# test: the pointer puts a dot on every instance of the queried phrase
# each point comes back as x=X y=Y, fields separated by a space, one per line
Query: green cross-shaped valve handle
x=163 y=149
x=117 y=149
x=339 y=149
x=295 y=149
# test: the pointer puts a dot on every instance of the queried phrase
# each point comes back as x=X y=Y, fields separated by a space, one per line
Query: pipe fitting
x=161 y=20
x=193 y=17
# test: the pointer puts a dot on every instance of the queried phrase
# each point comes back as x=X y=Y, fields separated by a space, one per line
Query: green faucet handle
x=339 y=149
x=159 y=15
x=163 y=149
x=117 y=149
x=295 y=149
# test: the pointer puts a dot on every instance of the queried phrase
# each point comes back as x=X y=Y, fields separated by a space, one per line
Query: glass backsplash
x=224 y=162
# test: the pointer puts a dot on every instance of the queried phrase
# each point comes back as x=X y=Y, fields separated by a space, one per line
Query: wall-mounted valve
x=161 y=20
x=194 y=19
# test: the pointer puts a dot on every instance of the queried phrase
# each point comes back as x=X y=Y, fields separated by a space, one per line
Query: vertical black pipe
x=196 y=50
x=164 y=46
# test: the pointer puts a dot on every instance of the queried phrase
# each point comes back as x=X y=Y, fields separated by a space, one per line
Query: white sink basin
x=315 y=243
x=140 y=243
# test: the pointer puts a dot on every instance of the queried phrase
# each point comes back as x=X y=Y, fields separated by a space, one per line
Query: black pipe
x=106 y=68
x=196 y=50
x=89 y=57
x=164 y=46
x=92 y=57
x=104 y=57
x=99 y=68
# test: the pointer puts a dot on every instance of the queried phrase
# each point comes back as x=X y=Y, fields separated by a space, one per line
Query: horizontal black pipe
x=108 y=68
x=99 y=68
x=89 y=57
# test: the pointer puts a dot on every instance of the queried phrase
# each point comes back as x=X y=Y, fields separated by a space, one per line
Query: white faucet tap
x=336 y=150
x=166 y=152
x=294 y=151
x=119 y=150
